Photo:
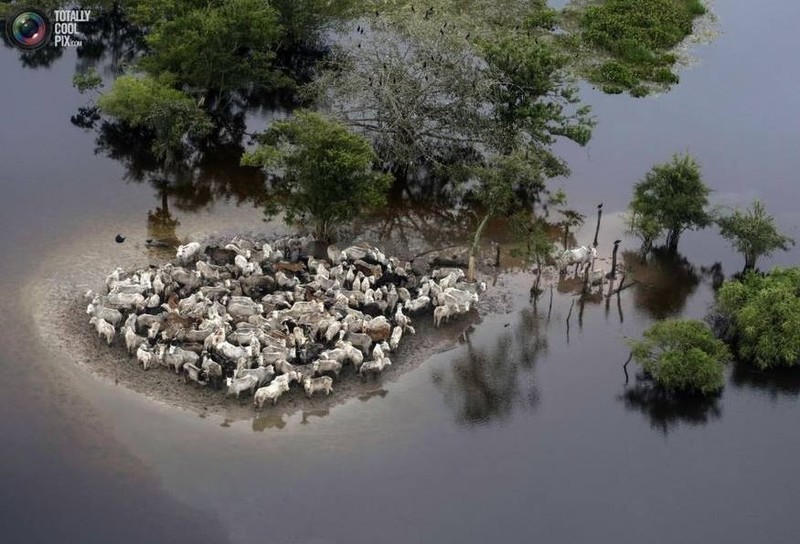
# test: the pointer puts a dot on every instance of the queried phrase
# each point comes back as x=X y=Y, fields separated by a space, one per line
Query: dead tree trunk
x=473 y=253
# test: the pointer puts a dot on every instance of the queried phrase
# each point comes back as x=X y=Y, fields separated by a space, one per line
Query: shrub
x=682 y=356
x=753 y=233
x=638 y=35
x=762 y=313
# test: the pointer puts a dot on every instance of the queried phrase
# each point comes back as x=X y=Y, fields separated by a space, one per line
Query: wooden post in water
x=613 y=273
x=597 y=229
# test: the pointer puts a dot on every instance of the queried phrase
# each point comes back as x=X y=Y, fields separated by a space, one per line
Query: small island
x=258 y=317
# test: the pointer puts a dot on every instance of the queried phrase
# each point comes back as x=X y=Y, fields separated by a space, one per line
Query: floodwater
x=525 y=431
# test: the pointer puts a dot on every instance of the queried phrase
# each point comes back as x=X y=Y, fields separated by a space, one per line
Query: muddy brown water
x=524 y=431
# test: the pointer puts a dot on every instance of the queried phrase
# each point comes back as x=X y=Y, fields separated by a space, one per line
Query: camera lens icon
x=28 y=28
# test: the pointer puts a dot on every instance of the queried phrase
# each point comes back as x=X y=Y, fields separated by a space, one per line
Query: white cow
x=272 y=391
x=237 y=385
x=312 y=385
x=578 y=256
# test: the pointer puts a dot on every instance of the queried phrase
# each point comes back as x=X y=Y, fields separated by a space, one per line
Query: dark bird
x=119 y=238
x=359 y=45
x=412 y=7
x=424 y=64
x=467 y=36
x=441 y=31
x=377 y=14
x=358 y=28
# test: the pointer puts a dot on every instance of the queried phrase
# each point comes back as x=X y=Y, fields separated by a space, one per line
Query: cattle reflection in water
x=488 y=381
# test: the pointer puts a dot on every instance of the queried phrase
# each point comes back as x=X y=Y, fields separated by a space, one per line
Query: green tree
x=170 y=116
x=682 y=355
x=501 y=190
x=533 y=232
x=673 y=198
x=762 y=317
x=303 y=20
x=753 y=233
x=321 y=172
x=217 y=46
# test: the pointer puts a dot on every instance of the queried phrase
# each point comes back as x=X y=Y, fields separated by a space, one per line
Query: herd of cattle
x=259 y=317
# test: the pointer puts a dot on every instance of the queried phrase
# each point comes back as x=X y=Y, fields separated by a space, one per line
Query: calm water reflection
x=515 y=434
x=666 y=412
x=487 y=382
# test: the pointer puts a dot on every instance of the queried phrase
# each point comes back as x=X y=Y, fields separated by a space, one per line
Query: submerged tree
x=167 y=115
x=671 y=198
x=753 y=233
x=761 y=316
x=623 y=45
x=320 y=172
x=682 y=356
x=219 y=46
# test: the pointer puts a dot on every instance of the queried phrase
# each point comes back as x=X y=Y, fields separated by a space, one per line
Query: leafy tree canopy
x=753 y=233
x=223 y=45
x=321 y=172
x=672 y=197
x=763 y=317
x=168 y=114
x=682 y=355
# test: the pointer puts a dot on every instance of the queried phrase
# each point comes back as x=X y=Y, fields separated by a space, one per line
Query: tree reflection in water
x=489 y=381
x=109 y=42
x=664 y=281
x=666 y=411
x=40 y=58
x=774 y=383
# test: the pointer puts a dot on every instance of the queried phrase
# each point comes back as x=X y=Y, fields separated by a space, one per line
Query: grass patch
x=628 y=43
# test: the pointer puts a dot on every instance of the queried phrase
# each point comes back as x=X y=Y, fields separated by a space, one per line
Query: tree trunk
x=473 y=253
x=673 y=238
x=749 y=262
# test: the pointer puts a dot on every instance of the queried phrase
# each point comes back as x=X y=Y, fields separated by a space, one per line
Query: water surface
x=524 y=431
